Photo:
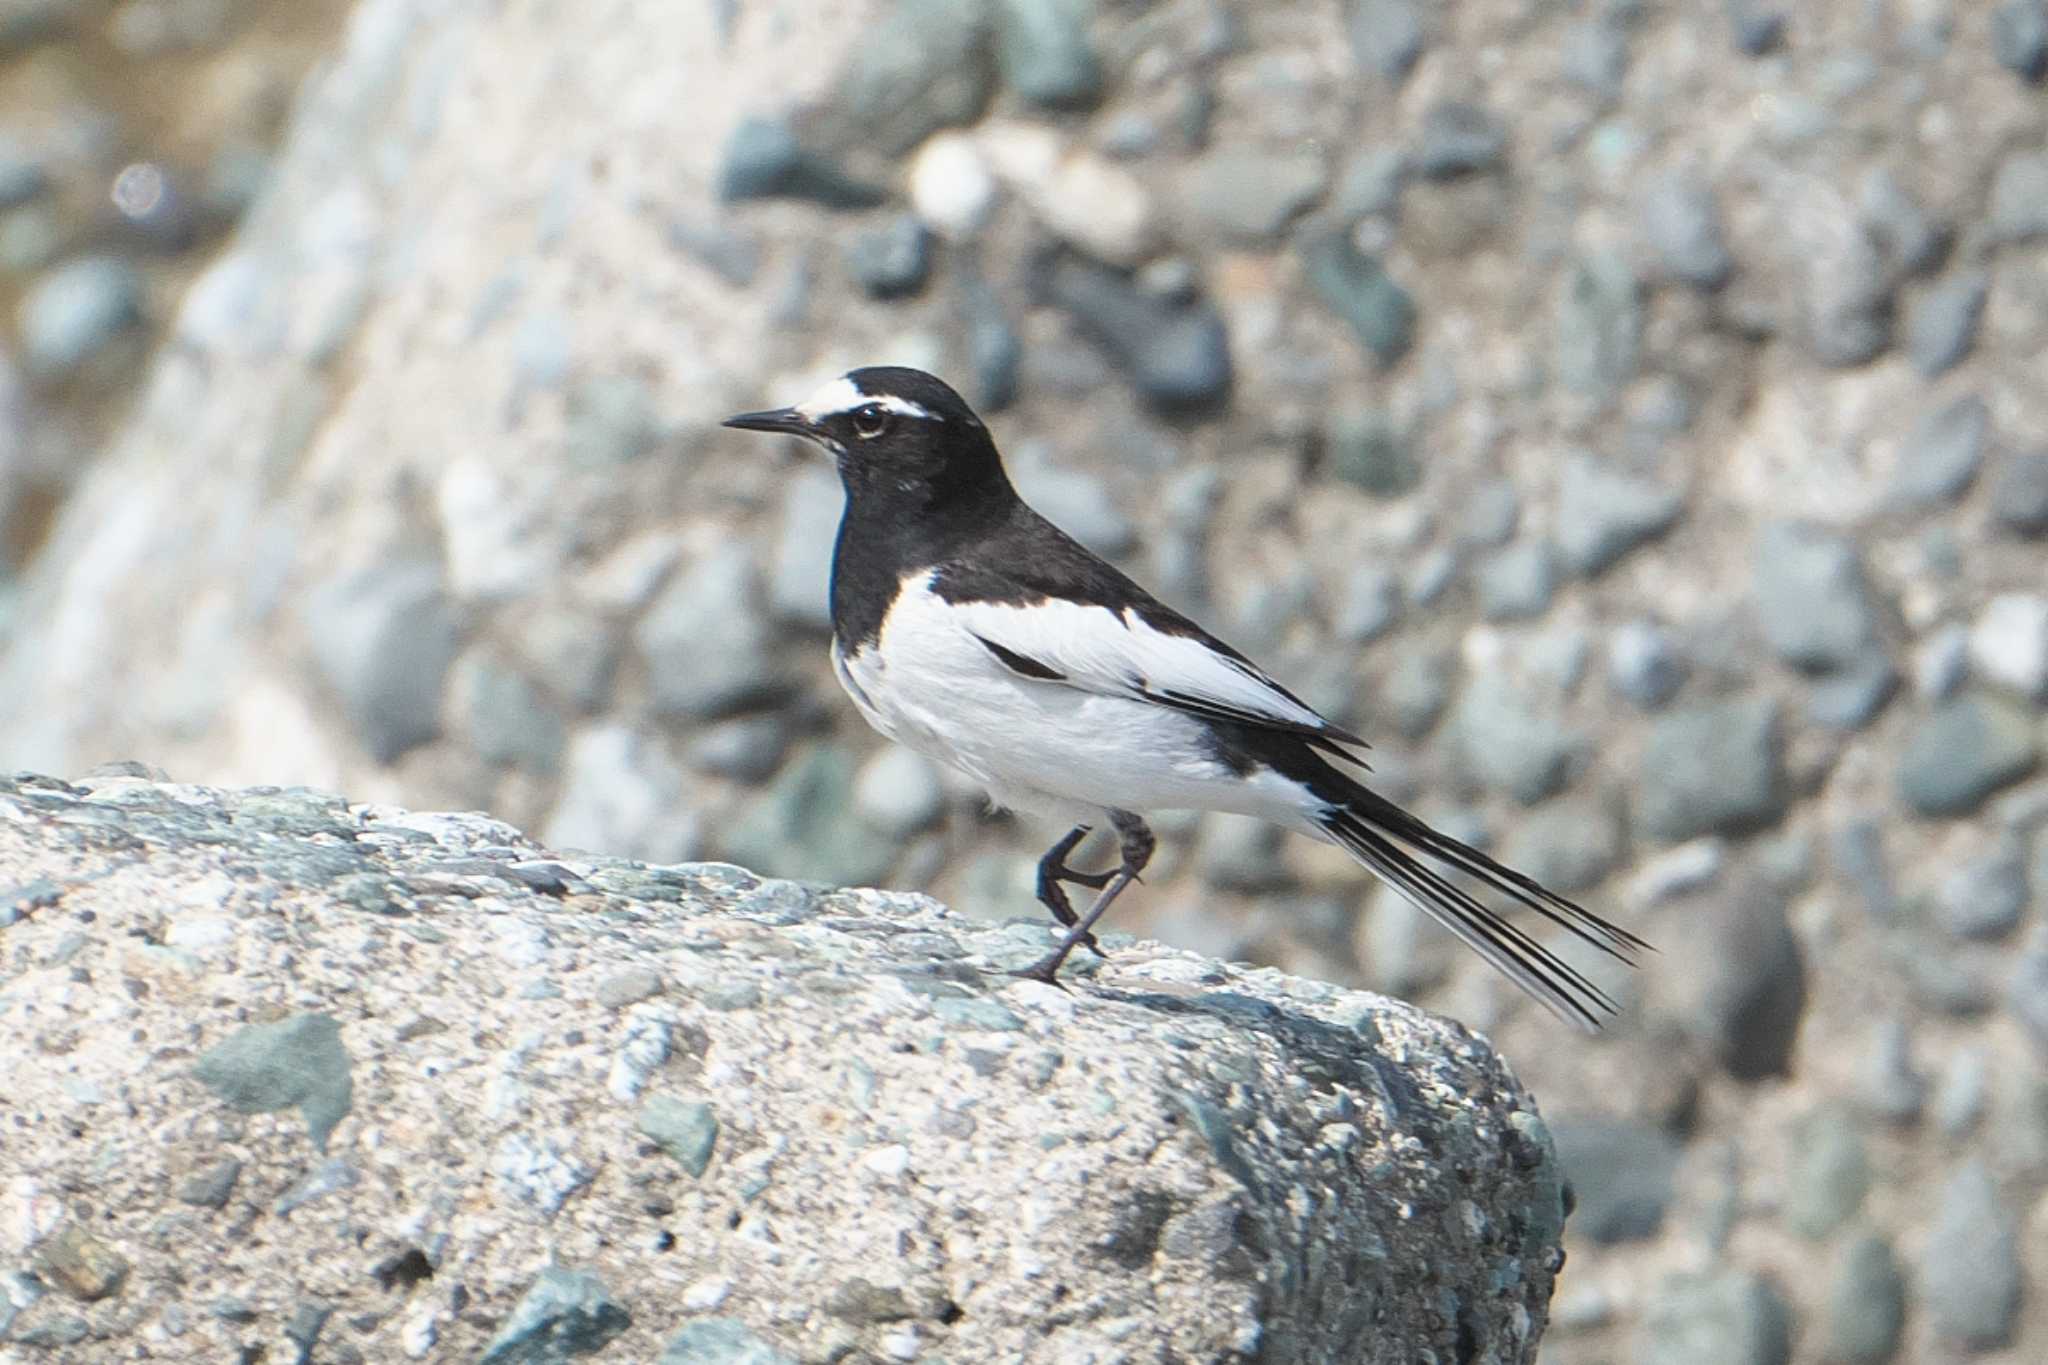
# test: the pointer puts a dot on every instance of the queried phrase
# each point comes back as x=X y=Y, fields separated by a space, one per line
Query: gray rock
x=1569 y=845
x=2019 y=38
x=2018 y=206
x=1756 y=30
x=1727 y=1317
x=1075 y=501
x=1813 y=597
x=1387 y=36
x=1859 y=854
x=1242 y=854
x=623 y=795
x=1716 y=768
x=994 y=349
x=1959 y=1102
x=799 y=582
x=1866 y=1303
x=1044 y=52
x=296 y=1063
x=1681 y=226
x=1970 y=1269
x=572 y=652
x=1174 y=350
x=1913 y=240
x=1508 y=741
x=74 y=311
x=1417 y=689
x=564 y=1313
x=805 y=826
x=763 y=160
x=733 y=256
x=1940 y=662
x=1852 y=697
x=22 y=176
x=1490 y=514
x=612 y=420
x=383 y=639
x=1747 y=998
x=1964 y=750
x=1367 y=449
x=1594 y=54
x=209 y=1188
x=1251 y=193
x=504 y=719
x=1371 y=185
x=1459 y=139
x=721 y=1341
x=1830 y=1173
x=704 y=642
x=1943 y=327
x=1516 y=584
x=898 y=792
x=687 y=1131
x=1370 y=607
x=1622 y=1175
x=891 y=262
x=2027 y=992
x=1939 y=457
x=1645 y=663
x=1888 y=1083
x=1599 y=326
x=1357 y=288
x=2019 y=494
x=1849 y=302
x=1985 y=896
x=1602 y=514
x=921 y=65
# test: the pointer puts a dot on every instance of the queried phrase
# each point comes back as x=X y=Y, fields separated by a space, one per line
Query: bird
x=971 y=629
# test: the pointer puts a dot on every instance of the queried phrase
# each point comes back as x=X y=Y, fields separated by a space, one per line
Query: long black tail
x=1387 y=839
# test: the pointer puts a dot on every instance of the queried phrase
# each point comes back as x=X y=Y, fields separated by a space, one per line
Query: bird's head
x=892 y=430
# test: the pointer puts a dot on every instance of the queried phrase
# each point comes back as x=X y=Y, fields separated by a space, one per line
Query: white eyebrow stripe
x=842 y=395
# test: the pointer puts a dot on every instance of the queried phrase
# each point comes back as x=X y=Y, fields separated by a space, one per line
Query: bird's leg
x=1136 y=842
x=1053 y=869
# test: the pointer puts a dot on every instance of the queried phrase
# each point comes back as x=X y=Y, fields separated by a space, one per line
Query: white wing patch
x=1118 y=654
x=842 y=395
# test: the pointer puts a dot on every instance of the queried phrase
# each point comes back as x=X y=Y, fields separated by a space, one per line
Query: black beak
x=786 y=420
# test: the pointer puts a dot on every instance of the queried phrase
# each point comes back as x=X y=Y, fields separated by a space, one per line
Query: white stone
x=951 y=189
x=1083 y=198
x=2009 y=643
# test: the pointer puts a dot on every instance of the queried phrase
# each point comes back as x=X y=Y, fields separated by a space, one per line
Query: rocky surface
x=1629 y=415
x=355 y=1083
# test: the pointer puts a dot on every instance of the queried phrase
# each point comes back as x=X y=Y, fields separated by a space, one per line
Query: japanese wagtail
x=970 y=628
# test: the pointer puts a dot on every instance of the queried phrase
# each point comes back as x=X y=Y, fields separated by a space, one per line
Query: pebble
x=721 y=1341
x=2027 y=992
x=1569 y=845
x=1746 y=1002
x=1242 y=854
x=764 y=161
x=1175 y=351
x=1602 y=514
x=1621 y=1174
x=1813 y=597
x=1489 y=514
x=1912 y=239
x=1866 y=1303
x=504 y=717
x=1387 y=37
x=2018 y=206
x=1594 y=54
x=1370 y=607
x=1073 y=500
x=1889 y=1085
x=1962 y=751
x=1941 y=662
x=1944 y=323
x=621 y=794
x=1516 y=584
x=383 y=639
x=2019 y=38
x=1459 y=139
x=611 y=419
x=299 y=1062
x=921 y=65
x=1371 y=185
x=1851 y=698
x=704 y=642
x=1417 y=689
x=1984 y=897
x=1714 y=768
x=564 y=1313
x=805 y=826
x=952 y=190
x=2009 y=644
x=1645 y=663
x=1083 y=199
x=1939 y=456
x=891 y=262
x=1848 y=295
x=1357 y=288
x=1044 y=53
x=2019 y=494
x=1723 y=1317
x=800 y=579
x=1829 y=1176
x=1969 y=1269
x=1756 y=31
x=1681 y=225
x=1510 y=742
x=1959 y=1101
x=73 y=312
x=686 y=1130
x=1600 y=319
x=898 y=791
x=1251 y=193
x=1368 y=450
x=994 y=350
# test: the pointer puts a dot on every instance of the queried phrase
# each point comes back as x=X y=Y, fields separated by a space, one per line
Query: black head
x=895 y=433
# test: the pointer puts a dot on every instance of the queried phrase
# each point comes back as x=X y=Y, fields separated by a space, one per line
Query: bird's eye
x=870 y=421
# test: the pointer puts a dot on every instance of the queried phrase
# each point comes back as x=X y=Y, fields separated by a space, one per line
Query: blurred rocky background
x=1632 y=415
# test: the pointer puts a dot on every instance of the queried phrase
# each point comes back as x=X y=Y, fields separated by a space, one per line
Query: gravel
x=1813 y=597
x=1457 y=139
x=1715 y=768
x=1622 y=1174
x=1646 y=664
x=891 y=262
x=1516 y=584
x=1830 y=1173
x=1044 y=53
x=1357 y=288
x=1387 y=36
x=75 y=311
x=2009 y=644
x=1603 y=514
x=763 y=160
x=1866 y=1310
x=1983 y=898
x=705 y=643
x=800 y=579
x=1940 y=455
x=1681 y=227
x=1174 y=350
x=1600 y=320
x=2019 y=38
x=1251 y=193
x=1724 y=1317
x=1510 y=741
x=1368 y=449
x=2018 y=207
x=2019 y=494
x=383 y=639
x=1962 y=751
x=1969 y=1270
x=1943 y=326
